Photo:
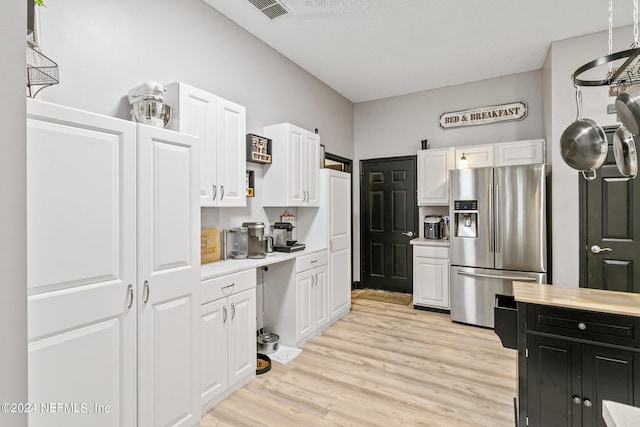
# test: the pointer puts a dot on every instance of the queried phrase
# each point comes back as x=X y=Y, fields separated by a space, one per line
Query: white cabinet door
x=168 y=278
x=319 y=297
x=478 y=156
x=242 y=335
x=295 y=166
x=304 y=319
x=214 y=372
x=195 y=113
x=520 y=152
x=81 y=265
x=431 y=282
x=312 y=167
x=231 y=155
x=339 y=233
x=433 y=176
x=297 y=160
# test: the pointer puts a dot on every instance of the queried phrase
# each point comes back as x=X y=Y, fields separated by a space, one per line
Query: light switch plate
x=611 y=109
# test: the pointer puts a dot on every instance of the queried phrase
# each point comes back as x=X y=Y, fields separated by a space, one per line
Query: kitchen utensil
x=624 y=150
x=628 y=109
x=152 y=112
x=147 y=104
x=209 y=245
x=583 y=144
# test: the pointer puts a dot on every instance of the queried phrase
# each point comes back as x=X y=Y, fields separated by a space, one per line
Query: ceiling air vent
x=271 y=8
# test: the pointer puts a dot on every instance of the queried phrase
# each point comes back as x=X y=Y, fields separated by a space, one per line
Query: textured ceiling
x=371 y=49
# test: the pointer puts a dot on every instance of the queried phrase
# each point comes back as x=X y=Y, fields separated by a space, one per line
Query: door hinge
x=527 y=420
x=526 y=352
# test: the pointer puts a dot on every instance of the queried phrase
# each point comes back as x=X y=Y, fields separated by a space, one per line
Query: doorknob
x=408 y=233
x=597 y=249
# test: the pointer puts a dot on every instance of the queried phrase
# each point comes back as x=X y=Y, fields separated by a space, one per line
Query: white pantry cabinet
x=431 y=276
x=292 y=177
x=520 y=152
x=228 y=325
x=433 y=175
x=97 y=335
x=221 y=126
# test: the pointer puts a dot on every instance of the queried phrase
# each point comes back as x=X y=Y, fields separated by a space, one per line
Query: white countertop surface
x=429 y=242
x=618 y=415
x=220 y=268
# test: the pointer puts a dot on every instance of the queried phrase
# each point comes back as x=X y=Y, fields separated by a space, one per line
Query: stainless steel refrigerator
x=498 y=235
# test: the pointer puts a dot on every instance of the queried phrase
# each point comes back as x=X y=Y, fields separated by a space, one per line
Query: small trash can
x=505 y=314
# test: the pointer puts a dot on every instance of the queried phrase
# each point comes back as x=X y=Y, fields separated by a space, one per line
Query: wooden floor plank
x=383 y=364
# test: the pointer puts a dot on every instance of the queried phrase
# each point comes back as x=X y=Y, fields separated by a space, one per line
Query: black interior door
x=610 y=220
x=389 y=220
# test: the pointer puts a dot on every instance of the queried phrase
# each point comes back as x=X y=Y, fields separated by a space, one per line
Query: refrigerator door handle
x=496 y=247
x=491 y=222
x=495 y=276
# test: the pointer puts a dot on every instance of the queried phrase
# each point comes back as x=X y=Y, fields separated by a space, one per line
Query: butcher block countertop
x=624 y=303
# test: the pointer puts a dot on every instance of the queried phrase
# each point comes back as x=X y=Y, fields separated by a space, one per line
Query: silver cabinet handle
x=224 y=314
x=215 y=191
x=130 y=292
x=577 y=400
x=408 y=233
x=582 y=326
x=147 y=291
x=495 y=276
x=314 y=261
x=221 y=191
x=229 y=286
x=597 y=249
x=330 y=245
x=233 y=311
x=587 y=403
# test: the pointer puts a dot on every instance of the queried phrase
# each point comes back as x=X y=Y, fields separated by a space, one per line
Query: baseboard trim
x=433 y=309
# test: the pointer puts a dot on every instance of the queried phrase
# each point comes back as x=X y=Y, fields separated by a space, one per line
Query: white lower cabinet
x=228 y=336
x=113 y=271
x=296 y=298
x=431 y=276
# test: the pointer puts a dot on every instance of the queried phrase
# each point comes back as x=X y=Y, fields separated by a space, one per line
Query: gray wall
x=13 y=303
x=563 y=59
x=395 y=126
x=106 y=48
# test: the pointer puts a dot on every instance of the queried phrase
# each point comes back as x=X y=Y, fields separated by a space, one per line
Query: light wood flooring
x=383 y=365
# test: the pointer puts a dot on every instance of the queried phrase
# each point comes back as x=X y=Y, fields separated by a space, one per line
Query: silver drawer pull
x=315 y=260
x=582 y=326
x=495 y=276
x=229 y=286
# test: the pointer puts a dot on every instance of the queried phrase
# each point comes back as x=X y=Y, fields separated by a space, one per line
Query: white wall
x=13 y=301
x=395 y=126
x=563 y=59
x=106 y=48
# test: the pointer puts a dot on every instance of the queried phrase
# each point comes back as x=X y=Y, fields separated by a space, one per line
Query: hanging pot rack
x=624 y=76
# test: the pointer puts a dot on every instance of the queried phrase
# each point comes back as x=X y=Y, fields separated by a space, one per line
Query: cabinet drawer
x=224 y=286
x=431 y=251
x=600 y=327
x=307 y=262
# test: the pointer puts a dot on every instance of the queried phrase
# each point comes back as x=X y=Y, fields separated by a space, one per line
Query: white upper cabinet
x=433 y=175
x=292 y=177
x=478 y=156
x=221 y=126
x=520 y=152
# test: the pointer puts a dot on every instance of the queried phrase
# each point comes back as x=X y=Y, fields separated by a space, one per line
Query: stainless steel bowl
x=152 y=112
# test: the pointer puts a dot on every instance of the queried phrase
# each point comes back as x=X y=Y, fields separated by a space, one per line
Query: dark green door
x=389 y=220
x=610 y=229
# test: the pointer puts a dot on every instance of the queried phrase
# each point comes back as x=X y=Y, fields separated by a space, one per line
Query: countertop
x=623 y=303
x=220 y=268
x=619 y=415
x=429 y=242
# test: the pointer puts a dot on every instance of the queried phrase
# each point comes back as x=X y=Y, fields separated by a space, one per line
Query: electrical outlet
x=611 y=109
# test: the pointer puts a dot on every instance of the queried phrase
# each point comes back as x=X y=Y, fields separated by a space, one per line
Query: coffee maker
x=257 y=242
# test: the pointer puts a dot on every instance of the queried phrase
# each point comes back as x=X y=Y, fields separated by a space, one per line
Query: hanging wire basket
x=41 y=71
